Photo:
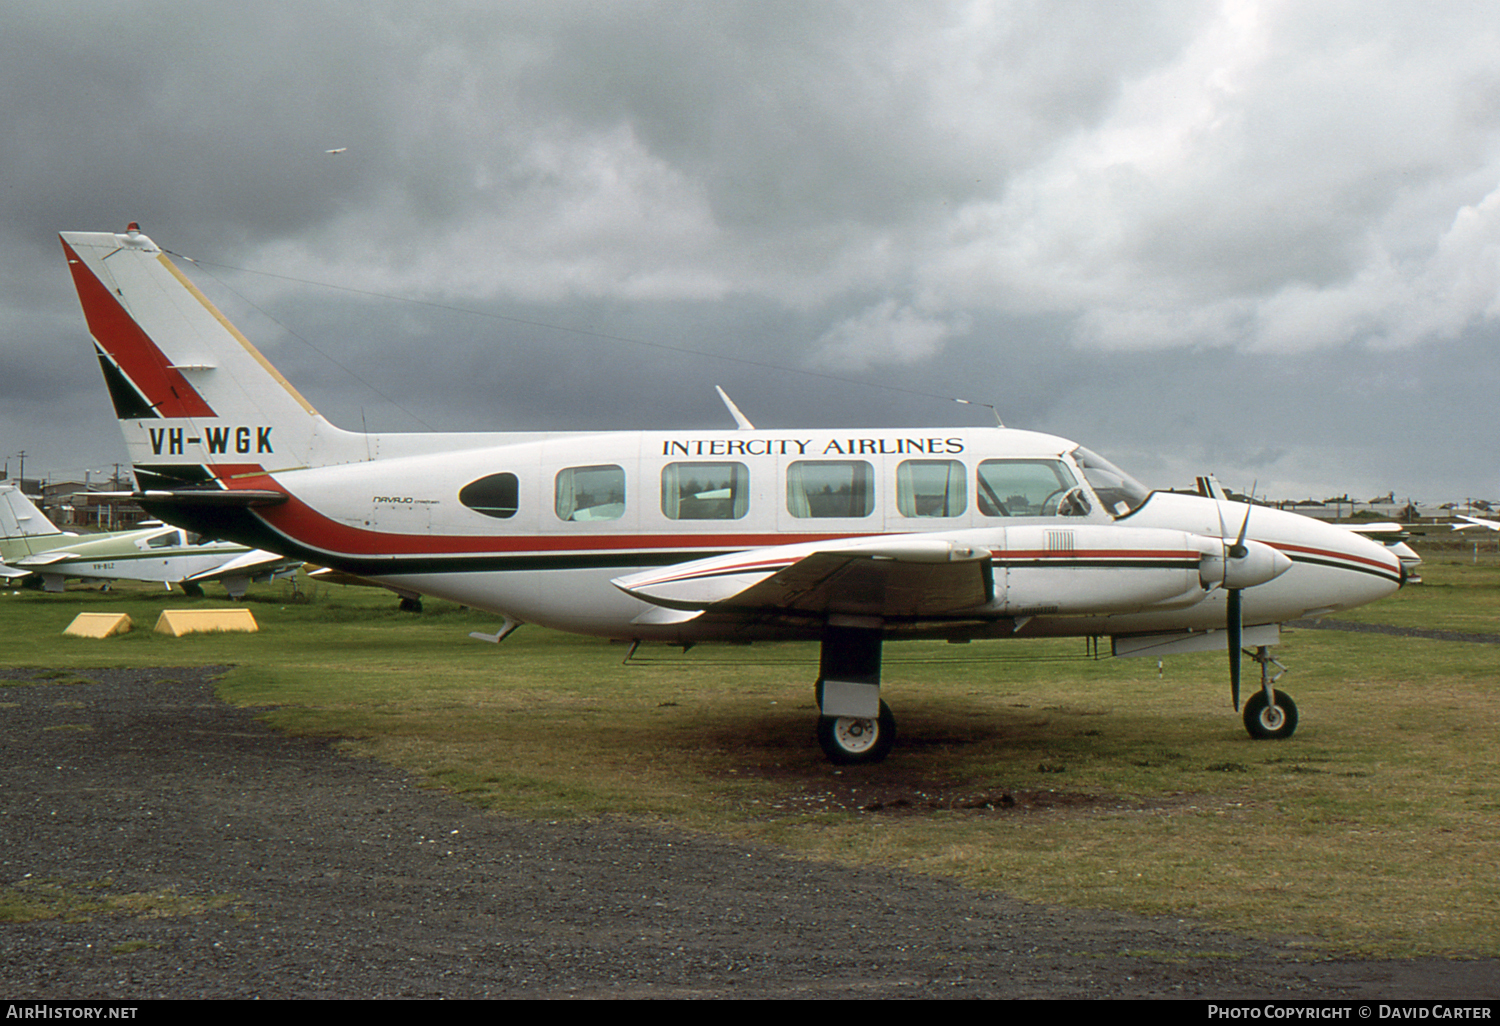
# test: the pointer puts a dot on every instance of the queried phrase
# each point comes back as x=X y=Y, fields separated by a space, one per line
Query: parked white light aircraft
x=1473 y=522
x=31 y=545
x=845 y=537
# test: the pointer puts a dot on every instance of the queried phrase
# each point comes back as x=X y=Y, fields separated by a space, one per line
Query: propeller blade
x=1233 y=609
x=1238 y=550
x=1236 y=634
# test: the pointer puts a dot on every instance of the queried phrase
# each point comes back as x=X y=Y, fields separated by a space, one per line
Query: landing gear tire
x=1271 y=721
x=853 y=741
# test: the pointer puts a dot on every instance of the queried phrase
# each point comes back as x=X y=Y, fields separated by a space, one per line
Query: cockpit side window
x=1117 y=491
x=1029 y=488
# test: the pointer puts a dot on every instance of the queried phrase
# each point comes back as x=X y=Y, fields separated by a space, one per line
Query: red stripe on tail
x=143 y=363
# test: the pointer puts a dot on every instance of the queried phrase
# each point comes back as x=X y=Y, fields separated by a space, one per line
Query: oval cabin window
x=494 y=496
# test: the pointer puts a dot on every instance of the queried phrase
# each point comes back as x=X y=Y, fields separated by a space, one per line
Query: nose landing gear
x=1270 y=715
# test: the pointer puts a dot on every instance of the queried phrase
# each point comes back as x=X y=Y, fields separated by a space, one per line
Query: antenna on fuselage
x=734 y=411
x=987 y=406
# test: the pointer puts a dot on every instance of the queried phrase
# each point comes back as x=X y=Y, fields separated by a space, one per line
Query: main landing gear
x=1270 y=715
x=855 y=726
x=855 y=740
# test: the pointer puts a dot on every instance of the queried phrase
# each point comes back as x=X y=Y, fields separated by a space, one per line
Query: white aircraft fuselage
x=538 y=567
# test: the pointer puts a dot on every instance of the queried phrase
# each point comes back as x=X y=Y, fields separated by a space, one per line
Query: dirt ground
x=277 y=868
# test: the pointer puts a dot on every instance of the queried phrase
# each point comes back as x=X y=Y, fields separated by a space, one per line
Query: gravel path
x=344 y=878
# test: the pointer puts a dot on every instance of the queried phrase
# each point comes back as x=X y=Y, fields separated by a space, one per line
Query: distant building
x=73 y=506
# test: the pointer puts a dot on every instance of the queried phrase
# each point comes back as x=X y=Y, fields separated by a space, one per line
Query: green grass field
x=1025 y=767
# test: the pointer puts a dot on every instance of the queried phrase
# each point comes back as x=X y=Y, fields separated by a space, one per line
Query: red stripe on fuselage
x=142 y=362
x=1393 y=567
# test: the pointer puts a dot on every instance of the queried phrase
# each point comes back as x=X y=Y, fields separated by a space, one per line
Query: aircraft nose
x=1361 y=570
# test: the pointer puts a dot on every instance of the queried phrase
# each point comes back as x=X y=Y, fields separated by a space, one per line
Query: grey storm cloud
x=1259 y=238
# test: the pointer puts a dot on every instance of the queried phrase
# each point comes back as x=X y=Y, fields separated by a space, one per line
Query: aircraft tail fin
x=19 y=517
x=198 y=404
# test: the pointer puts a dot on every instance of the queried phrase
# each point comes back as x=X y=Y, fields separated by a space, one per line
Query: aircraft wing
x=11 y=573
x=1385 y=534
x=890 y=578
x=247 y=564
x=1081 y=569
x=1473 y=522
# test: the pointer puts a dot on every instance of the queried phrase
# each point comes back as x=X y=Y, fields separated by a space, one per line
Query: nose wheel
x=1270 y=715
x=1272 y=719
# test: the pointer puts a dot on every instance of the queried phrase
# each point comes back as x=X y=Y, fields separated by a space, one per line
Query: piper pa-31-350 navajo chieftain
x=844 y=537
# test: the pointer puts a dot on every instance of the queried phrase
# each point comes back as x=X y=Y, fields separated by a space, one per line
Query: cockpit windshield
x=1118 y=492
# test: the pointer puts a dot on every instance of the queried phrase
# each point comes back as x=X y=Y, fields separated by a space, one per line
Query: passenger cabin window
x=931 y=488
x=495 y=496
x=830 y=488
x=705 y=491
x=591 y=493
x=165 y=541
x=1029 y=488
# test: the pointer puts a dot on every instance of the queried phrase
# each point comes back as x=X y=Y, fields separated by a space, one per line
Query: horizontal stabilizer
x=46 y=558
x=236 y=498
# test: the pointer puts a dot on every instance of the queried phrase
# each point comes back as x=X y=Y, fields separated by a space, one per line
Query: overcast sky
x=1255 y=238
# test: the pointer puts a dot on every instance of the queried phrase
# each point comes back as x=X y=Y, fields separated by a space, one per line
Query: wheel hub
x=856 y=734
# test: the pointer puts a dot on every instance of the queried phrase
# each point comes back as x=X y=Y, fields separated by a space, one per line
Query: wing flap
x=828 y=583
